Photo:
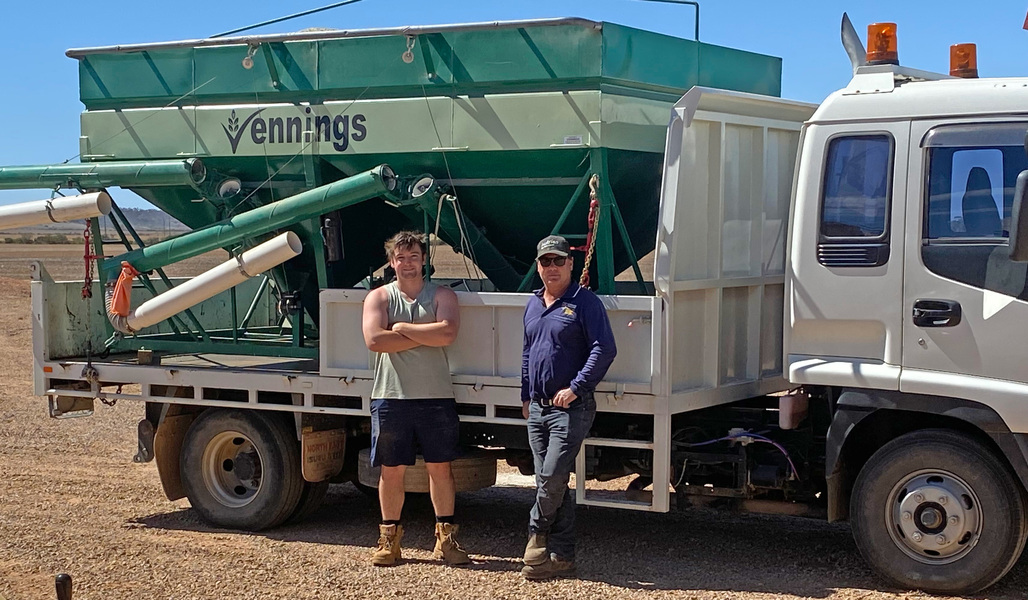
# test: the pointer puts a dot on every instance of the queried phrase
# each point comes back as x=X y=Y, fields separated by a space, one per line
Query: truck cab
x=903 y=299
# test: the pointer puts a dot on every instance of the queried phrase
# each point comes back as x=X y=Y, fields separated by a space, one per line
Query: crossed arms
x=380 y=337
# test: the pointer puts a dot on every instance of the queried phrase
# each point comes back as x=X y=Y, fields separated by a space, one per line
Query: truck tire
x=935 y=510
x=310 y=500
x=241 y=469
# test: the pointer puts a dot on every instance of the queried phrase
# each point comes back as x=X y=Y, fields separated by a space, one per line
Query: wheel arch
x=866 y=420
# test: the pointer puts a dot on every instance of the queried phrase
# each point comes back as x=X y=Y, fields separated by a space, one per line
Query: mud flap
x=167 y=450
x=322 y=453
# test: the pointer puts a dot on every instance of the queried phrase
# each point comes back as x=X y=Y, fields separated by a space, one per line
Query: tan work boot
x=553 y=566
x=446 y=547
x=388 y=551
x=535 y=551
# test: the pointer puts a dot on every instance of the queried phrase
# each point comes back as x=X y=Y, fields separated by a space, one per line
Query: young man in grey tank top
x=409 y=323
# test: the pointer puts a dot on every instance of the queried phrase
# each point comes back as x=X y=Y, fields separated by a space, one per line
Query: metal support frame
x=318 y=247
x=242 y=327
x=253 y=345
x=608 y=212
x=296 y=326
x=604 y=252
x=174 y=321
x=428 y=247
x=192 y=339
x=302 y=210
x=486 y=256
x=692 y=3
x=660 y=498
x=160 y=272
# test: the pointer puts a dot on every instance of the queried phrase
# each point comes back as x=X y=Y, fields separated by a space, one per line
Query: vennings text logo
x=339 y=130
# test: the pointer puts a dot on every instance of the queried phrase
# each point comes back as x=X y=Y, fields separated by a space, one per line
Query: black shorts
x=400 y=427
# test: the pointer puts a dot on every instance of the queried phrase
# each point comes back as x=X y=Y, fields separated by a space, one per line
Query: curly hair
x=404 y=240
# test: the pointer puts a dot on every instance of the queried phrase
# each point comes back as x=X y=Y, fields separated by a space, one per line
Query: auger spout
x=60 y=209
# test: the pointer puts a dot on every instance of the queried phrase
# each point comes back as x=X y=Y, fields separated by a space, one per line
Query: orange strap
x=122 y=304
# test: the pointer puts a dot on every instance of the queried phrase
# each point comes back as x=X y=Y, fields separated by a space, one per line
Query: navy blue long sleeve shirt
x=568 y=344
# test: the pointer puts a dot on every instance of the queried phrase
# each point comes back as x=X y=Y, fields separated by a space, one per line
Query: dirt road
x=71 y=500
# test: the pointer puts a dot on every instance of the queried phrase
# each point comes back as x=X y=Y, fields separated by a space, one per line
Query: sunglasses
x=557 y=260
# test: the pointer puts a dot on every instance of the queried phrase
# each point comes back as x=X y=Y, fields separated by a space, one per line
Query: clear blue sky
x=39 y=104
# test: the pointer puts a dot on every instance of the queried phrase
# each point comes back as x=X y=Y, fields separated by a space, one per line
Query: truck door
x=846 y=256
x=965 y=303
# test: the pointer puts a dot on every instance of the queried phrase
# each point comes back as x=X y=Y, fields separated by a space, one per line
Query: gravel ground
x=72 y=501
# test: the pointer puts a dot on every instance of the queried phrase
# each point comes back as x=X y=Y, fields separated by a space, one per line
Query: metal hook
x=408 y=56
x=251 y=50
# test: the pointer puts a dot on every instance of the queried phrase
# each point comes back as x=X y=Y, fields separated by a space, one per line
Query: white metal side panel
x=39 y=326
x=720 y=259
x=488 y=348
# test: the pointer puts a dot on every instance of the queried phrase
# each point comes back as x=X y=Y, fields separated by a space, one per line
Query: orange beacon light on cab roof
x=963 y=60
x=881 y=44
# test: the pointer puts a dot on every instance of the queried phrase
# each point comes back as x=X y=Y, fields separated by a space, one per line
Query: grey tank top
x=421 y=372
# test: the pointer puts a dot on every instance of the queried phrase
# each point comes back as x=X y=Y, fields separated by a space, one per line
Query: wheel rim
x=232 y=469
x=934 y=516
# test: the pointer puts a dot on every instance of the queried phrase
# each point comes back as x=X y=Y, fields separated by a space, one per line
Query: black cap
x=553 y=244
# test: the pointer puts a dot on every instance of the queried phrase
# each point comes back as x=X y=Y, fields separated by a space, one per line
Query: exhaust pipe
x=55 y=210
x=202 y=287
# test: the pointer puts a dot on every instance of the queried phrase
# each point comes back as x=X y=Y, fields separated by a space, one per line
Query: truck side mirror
x=1019 y=220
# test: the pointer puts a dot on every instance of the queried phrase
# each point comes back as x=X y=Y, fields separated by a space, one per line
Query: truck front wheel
x=935 y=510
x=241 y=469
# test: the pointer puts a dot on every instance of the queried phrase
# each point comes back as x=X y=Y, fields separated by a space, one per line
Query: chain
x=594 y=219
x=112 y=401
x=87 y=256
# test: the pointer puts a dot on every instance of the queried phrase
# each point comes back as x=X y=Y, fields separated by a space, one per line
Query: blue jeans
x=555 y=436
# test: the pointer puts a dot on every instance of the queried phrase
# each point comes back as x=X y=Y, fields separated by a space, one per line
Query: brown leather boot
x=553 y=566
x=388 y=551
x=447 y=548
x=535 y=551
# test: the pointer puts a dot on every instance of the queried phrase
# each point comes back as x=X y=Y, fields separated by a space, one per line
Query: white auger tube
x=206 y=285
x=56 y=210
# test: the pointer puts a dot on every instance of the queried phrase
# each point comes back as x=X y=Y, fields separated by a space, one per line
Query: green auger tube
x=87 y=176
x=380 y=181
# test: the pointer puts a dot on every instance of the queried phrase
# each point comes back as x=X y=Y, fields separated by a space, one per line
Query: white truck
x=837 y=329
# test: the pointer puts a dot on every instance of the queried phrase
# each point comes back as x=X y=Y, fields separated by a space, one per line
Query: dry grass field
x=71 y=500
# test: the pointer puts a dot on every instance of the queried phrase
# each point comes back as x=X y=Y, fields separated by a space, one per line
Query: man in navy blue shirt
x=568 y=348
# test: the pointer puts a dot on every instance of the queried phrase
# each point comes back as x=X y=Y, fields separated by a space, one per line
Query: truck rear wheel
x=241 y=469
x=935 y=510
x=310 y=500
